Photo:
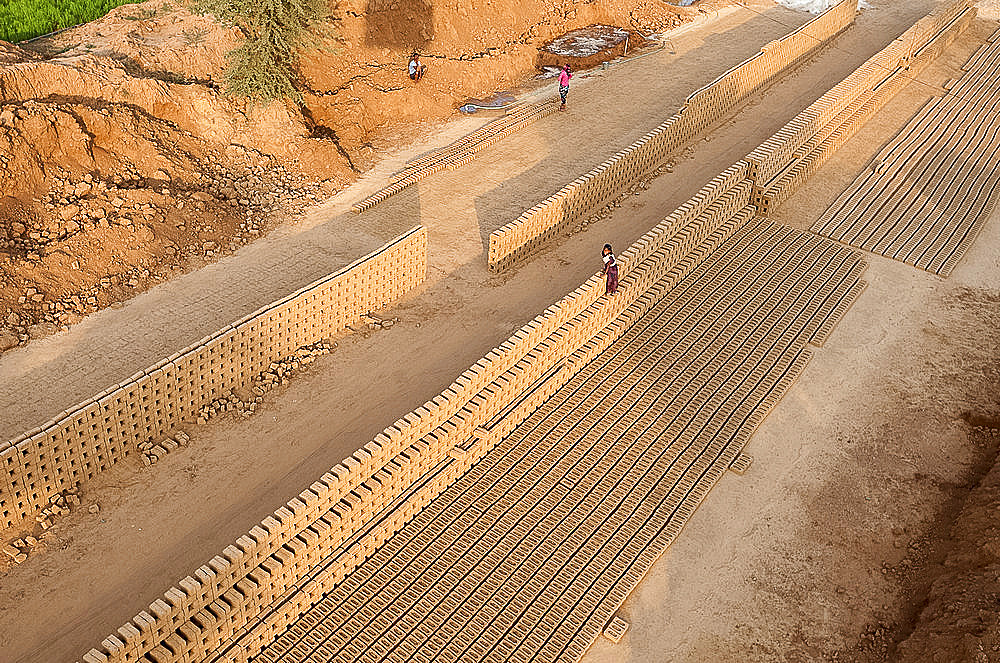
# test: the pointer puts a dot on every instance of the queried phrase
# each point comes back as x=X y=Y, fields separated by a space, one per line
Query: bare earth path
x=156 y=525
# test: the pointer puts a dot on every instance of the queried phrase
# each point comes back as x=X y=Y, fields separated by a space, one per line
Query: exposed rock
x=68 y=212
x=8 y=340
x=42 y=329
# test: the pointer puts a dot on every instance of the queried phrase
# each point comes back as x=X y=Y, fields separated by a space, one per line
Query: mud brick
x=94 y=656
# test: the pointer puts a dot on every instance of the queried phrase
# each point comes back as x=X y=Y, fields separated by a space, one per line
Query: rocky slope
x=123 y=161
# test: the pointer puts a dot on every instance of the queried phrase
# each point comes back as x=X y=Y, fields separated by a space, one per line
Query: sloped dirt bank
x=122 y=161
x=958 y=618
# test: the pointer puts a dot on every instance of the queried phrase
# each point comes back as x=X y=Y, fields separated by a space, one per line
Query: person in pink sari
x=610 y=269
x=564 y=77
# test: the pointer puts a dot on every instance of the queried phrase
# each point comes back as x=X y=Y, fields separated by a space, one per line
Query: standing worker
x=611 y=269
x=416 y=69
x=564 y=77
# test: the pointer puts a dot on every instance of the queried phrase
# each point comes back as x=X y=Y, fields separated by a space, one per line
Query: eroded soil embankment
x=122 y=161
x=958 y=618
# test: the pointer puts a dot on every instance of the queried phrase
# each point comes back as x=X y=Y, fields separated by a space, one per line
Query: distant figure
x=611 y=269
x=416 y=69
x=564 y=77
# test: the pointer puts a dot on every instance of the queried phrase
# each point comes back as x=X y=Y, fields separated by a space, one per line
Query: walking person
x=564 y=77
x=610 y=269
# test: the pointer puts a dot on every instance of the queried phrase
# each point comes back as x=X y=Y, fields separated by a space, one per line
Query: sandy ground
x=825 y=549
x=96 y=570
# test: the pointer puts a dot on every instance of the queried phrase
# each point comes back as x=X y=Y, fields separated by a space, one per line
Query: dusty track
x=156 y=526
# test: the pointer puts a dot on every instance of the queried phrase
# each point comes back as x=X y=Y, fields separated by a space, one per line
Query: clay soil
x=122 y=163
x=866 y=529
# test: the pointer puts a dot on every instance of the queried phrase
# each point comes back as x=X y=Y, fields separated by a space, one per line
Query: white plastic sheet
x=815 y=6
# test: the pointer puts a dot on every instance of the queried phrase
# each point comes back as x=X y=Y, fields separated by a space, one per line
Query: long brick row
x=530 y=553
x=930 y=190
x=89 y=438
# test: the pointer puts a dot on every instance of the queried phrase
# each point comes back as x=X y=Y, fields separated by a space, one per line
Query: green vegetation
x=262 y=68
x=265 y=66
x=24 y=19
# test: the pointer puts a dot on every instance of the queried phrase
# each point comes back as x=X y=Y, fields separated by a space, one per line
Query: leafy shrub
x=264 y=67
x=24 y=19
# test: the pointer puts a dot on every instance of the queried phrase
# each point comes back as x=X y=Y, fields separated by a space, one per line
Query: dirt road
x=96 y=570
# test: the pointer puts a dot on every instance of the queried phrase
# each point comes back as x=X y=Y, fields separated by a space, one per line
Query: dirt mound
x=123 y=161
x=961 y=619
x=588 y=46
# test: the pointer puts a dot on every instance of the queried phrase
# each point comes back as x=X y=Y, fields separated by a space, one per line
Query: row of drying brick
x=879 y=78
x=527 y=385
x=455 y=437
x=928 y=218
x=514 y=241
x=458 y=154
x=87 y=439
x=242 y=597
x=716 y=99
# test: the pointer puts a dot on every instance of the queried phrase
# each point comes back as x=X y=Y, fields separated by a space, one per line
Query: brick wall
x=91 y=437
x=702 y=108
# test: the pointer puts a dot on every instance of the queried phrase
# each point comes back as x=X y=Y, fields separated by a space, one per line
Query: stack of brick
x=780 y=164
x=104 y=430
x=581 y=197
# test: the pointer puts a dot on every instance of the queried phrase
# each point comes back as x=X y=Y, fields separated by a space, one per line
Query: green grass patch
x=24 y=19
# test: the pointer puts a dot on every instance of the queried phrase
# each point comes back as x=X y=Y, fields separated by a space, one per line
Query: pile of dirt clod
x=122 y=160
x=588 y=47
